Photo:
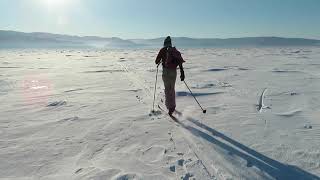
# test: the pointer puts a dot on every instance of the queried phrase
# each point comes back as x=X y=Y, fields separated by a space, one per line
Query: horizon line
x=191 y=37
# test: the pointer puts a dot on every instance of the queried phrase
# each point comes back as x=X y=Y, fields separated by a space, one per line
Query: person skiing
x=171 y=58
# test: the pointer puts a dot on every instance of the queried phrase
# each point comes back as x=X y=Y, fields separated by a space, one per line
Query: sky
x=158 y=18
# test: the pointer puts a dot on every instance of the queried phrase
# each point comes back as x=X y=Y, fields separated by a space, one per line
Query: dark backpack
x=170 y=57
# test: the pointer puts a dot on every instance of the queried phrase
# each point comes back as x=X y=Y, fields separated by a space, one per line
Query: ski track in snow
x=179 y=175
x=92 y=120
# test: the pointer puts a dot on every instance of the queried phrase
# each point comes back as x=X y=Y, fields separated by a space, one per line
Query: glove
x=182 y=75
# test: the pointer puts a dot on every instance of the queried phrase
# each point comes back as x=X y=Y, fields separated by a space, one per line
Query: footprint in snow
x=187 y=176
x=139 y=98
x=180 y=162
x=127 y=177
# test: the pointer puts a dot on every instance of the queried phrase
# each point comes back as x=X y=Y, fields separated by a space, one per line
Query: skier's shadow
x=272 y=167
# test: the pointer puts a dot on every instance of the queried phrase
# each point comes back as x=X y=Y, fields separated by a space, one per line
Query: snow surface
x=85 y=114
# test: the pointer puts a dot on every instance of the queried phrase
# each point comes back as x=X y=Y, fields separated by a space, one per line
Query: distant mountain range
x=14 y=39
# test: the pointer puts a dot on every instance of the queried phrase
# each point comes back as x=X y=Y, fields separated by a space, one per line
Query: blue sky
x=158 y=18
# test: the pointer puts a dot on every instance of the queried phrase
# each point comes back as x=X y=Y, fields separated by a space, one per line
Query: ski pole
x=203 y=110
x=155 y=88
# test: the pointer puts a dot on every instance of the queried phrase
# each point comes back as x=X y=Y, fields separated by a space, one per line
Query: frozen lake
x=84 y=114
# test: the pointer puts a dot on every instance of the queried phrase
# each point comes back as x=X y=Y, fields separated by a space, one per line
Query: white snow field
x=85 y=114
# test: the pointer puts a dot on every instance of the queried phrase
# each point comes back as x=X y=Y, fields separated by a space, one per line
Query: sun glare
x=54 y=2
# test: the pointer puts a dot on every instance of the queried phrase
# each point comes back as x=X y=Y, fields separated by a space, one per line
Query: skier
x=171 y=58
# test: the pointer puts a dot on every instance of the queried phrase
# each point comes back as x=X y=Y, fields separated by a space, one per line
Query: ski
x=171 y=117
